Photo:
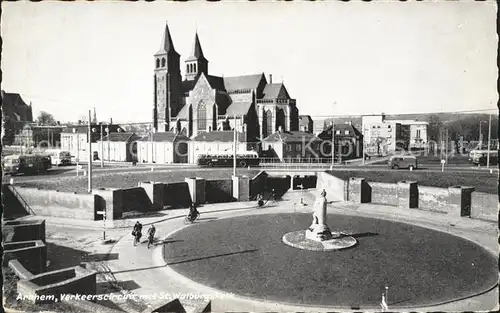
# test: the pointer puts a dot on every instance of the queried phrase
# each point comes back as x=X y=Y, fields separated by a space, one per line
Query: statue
x=319 y=230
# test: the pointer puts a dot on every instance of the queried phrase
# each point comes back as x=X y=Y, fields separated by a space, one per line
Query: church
x=200 y=102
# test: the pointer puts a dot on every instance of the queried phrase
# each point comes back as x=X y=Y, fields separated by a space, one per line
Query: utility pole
x=333 y=142
x=90 y=154
x=489 y=144
x=447 y=144
x=77 y=148
x=234 y=152
x=102 y=147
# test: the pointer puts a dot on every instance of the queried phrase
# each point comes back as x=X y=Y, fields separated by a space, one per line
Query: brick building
x=348 y=141
x=201 y=102
x=15 y=114
x=33 y=135
x=292 y=146
x=306 y=124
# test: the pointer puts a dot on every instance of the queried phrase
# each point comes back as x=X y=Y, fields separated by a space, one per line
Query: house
x=383 y=135
x=217 y=143
x=75 y=138
x=348 y=141
x=121 y=146
x=163 y=148
x=306 y=124
x=201 y=102
x=292 y=146
x=15 y=113
x=33 y=135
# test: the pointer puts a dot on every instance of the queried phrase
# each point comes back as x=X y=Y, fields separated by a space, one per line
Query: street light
x=77 y=149
x=480 y=133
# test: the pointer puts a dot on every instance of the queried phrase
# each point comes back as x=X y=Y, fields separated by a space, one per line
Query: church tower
x=196 y=63
x=167 y=84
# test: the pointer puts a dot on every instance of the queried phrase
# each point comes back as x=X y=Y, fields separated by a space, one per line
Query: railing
x=298 y=163
x=21 y=199
x=277 y=101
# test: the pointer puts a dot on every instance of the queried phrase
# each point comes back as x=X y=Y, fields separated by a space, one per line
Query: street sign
x=101 y=212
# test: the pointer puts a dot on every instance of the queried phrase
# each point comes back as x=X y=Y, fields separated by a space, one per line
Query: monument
x=318 y=236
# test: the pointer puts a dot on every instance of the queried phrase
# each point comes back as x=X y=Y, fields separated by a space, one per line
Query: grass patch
x=130 y=179
x=482 y=182
x=248 y=258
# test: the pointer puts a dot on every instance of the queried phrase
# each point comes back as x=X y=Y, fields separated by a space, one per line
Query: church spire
x=197 y=51
x=167 y=44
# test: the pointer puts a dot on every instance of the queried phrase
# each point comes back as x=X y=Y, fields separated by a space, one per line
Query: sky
x=336 y=58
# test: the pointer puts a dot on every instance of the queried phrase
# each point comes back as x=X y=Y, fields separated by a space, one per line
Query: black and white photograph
x=250 y=156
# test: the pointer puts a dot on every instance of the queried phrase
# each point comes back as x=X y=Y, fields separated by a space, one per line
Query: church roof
x=197 y=51
x=271 y=91
x=216 y=82
x=242 y=82
x=183 y=113
x=165 y=137
x=238 y=108
x=167 y=44
x=188 y=85
x=291 y=136
x=121 y=137
x=223 y=136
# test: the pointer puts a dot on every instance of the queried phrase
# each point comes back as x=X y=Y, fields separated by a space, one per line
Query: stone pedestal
x=407 y=194
x=196 y=187
x=459 y=200
x=241 y=188
x=359 y=190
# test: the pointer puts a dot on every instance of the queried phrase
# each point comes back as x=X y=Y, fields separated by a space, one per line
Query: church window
x=202 y=117
x=162 y=62
x=269 y=122
x=194 y=67
x=157 y=63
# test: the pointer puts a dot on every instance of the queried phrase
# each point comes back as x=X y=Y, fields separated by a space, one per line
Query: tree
x=46 y=119
x=435 y=126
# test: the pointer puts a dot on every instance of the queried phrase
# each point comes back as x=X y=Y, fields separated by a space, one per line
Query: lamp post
x=77 y=149
x=90 y=155
x=480 y=133
x=234 y=152
x=102 y=148
x=489 y=143
x=333 y=138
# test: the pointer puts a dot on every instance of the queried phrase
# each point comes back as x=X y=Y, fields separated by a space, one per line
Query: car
x=403 y=161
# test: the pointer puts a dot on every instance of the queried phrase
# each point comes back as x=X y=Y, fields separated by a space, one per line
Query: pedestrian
x=137 y=232
x=151 y=234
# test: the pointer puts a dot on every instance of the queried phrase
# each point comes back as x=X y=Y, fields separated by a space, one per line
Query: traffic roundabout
x=246 y=256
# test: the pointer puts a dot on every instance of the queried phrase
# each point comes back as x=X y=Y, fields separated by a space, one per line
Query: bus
x=26 y=164
x=57 y=156
x=226 y=160
x=480 y=157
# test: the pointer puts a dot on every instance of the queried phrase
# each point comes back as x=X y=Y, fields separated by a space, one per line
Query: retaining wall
x=31 y=254
x=60 y=204
x=258 y=184
x=484 y=206
x=21 y=230
x=384 y=193
x=335 y=187
x=73 y=280
x=219 y=191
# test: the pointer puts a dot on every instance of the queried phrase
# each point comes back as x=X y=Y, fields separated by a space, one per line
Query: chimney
x=110 y=121
x=270 y=78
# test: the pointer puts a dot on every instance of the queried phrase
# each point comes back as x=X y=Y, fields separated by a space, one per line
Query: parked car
x=403 y=161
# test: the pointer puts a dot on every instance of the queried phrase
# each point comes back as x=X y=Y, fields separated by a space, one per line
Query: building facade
x=200 y=102
x=120 y=147
x=292 y=146
x=217 y=143
x=163 y=148
x=75 y=138
x=348 y=141
x=15 y=114
x=306 y=124
x=33 y=135
x=383 y=136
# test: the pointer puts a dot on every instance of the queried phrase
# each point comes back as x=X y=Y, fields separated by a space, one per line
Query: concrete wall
x=219 y=191
x=257 y=184
x=60 y=204
x=484 y=206
x=105 y=202
x=433 y=199
x=24 y=230
x=384 y=193
x=177 y=195
x=132 y=199
x=335 y=187
x=241 y=188
x=31 y=254
x=155 y=193
x=73 y=280
x=196 y=187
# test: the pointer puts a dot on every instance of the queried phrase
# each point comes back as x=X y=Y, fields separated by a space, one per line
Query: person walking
x=151 y=235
